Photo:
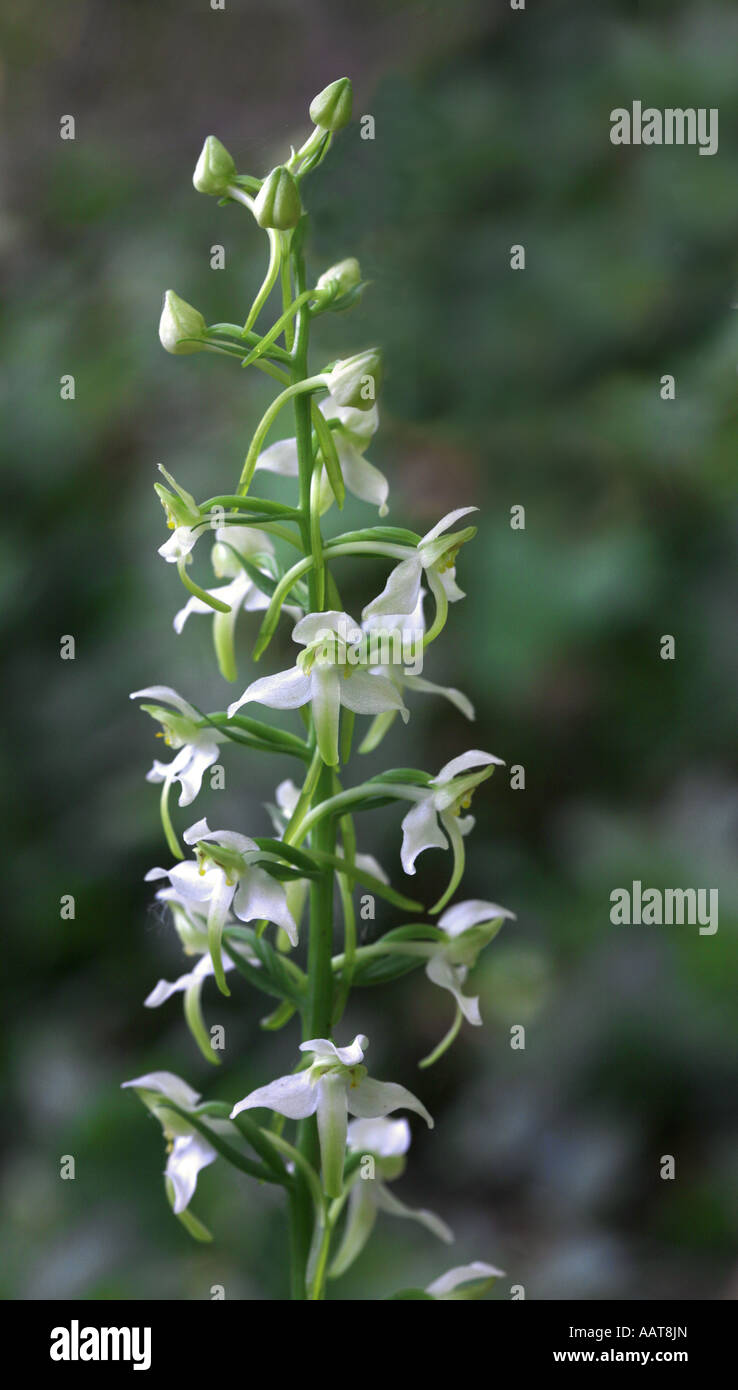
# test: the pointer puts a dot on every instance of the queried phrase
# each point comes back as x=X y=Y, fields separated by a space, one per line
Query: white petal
x=280 y=458
x=387 y=1202
x=285 y=690
x=169 y=696
x=445 y=523
x=349 y=1056
x=165 y=1083
x=463 y=1274
x=401 y=592
x=474 y=758
x=372 y=1098
x=386 y=1138
x=367 y=694
x=461 y=916
x=370 y=865
x=457 y=698
x=360 y=476
x=440 y=972
x=193 y=605
x=259 y=895
x=199 y=830
x=166 y=988
x=420 y=830
x=180 y=543
x=450 y=587
x=189 y=1155
x=295 y=1096
x=316 y=625
x=190 y=776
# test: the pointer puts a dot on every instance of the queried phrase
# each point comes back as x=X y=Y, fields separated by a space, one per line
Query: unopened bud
x=331 y=108
x=340 y=278
x=180 y=321
x=356 y=380
x=277 y=204
x=215 y=168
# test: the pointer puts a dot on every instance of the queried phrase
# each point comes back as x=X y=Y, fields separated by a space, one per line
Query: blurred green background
x=538 y=388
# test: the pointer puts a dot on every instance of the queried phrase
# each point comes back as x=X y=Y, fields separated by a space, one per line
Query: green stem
x=317 y=1012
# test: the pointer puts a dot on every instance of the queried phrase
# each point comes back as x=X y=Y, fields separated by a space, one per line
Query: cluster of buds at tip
x=331 y=108
x=181 y=327
x=215 y=168
x=277 y=204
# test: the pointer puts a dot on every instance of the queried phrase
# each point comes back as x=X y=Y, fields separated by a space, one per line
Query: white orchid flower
x=184 y=519
x=352 y=431
x=192 y=930
x=386 y=1141
x=196 y=745
x=188 y=1151
x=329 y=673
x=225 y=875
x=240 y=594
x=469 y=927
x=434 y=556
x=436 y=816
x=478 y=1277
x=397 y=640
x=334 y=1086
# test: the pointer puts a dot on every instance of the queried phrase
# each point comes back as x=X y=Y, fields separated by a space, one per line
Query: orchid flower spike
x=182 y=728
x=437 y=813
x=331 y=672
x=334 y=1085
x=434 y=556
x=383 y=1144
x=188 y=1152
x=227 y=873
x=352 y=432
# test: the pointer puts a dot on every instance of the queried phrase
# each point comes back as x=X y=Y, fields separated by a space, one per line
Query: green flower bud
x=215 y=168
x=179 y=320
x=331 y=108
x=341 y=278
x=356 y=380
x=277 y=204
